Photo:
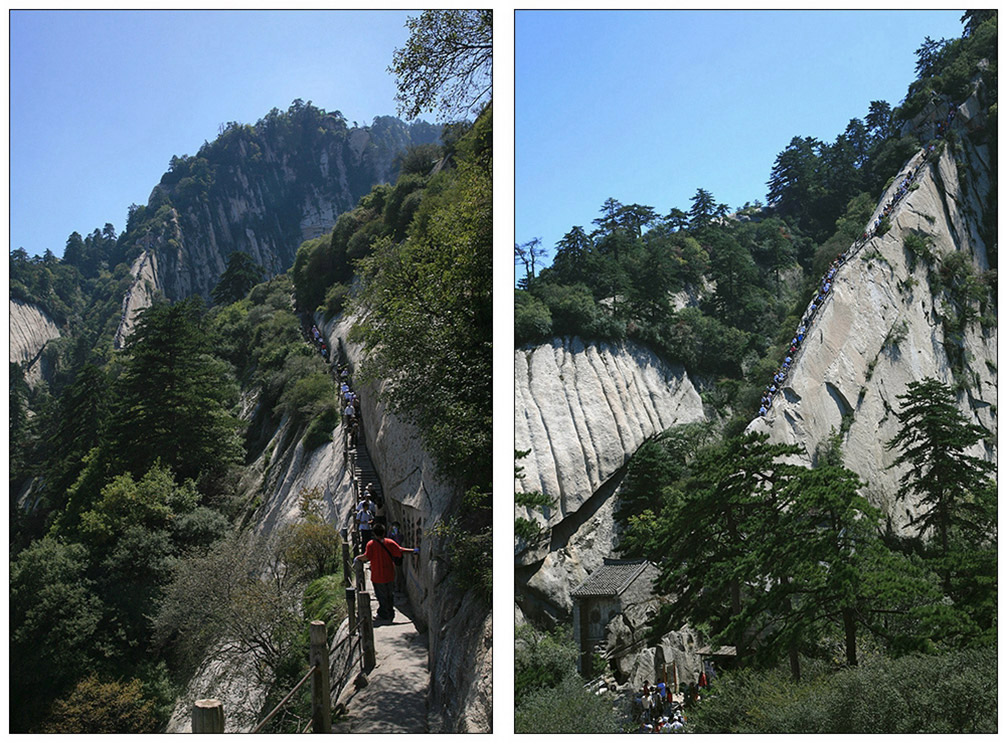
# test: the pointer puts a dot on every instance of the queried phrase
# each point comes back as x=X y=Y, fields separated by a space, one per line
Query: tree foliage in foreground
x=446 y=64
x=428 y=315
x=780 y=560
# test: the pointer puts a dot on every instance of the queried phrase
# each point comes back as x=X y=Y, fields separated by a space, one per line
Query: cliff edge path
x=395 y=698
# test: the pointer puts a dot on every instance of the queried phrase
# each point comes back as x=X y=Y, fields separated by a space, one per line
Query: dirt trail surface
x=395 y=698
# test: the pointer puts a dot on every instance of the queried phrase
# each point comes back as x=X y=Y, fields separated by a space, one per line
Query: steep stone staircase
x=363 y=469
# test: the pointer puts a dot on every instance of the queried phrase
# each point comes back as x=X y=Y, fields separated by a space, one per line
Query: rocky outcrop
x=30 y=330
x=583 y=410
x=140 y=295
x=225 y=676
x=261 y=190
x=886 y=324
x=636 y=662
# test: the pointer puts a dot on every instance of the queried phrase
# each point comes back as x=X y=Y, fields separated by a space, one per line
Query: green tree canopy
x=241 y=274
x=947 y=481
x=427 y=327
x=446 y=64
x=173 y=399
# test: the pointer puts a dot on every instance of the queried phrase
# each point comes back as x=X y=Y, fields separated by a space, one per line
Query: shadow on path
x=395 y=699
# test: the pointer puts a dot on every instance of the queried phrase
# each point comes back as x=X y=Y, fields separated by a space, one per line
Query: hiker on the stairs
x=381 y=552
x=365 y=519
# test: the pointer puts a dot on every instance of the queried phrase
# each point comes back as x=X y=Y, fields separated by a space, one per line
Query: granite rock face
x=882 y=327
x=583 y=410
x=30 y=330
x=269 y=190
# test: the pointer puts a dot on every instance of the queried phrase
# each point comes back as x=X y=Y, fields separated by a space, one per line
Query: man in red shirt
x=380 y=551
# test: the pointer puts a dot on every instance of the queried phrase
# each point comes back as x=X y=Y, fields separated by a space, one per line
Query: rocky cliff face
x=261 y=190
x=583 y=410
x=889 y=321
x=894 y=315
x=30 y=330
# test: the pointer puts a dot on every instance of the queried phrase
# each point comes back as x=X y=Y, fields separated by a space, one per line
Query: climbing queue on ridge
x=781 y=375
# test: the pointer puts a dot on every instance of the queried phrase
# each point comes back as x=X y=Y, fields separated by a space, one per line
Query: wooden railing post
x=208 y=716
x=351 y=606
x=359 y=574
x=367 y=631
x=319 y=658
x=347 y=568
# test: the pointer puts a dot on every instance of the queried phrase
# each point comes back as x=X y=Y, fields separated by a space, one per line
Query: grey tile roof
x=611 y=579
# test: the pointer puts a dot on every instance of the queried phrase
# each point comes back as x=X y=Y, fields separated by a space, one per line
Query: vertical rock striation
x=583 y=410
x=30 y=330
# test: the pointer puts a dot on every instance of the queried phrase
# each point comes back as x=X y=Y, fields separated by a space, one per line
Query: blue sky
x=101 y=100
x=646 y=107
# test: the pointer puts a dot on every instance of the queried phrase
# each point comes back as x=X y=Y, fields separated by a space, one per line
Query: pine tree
x=709 y=536
x=949 y=483
x=958 y=497
x=241 y=274
x=173 y=400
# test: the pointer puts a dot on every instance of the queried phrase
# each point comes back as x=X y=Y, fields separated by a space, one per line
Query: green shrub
x=567 y=708
x=308 y=396
x=321 y=427
x=325 y=599
x=953 y=693
x=918 y=248
x=533 y=321
x=100 y=707
x=542 y=660
x=335 y=300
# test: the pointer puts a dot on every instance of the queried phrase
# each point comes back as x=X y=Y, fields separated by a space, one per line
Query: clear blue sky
x=646 y=107
x=101 y=100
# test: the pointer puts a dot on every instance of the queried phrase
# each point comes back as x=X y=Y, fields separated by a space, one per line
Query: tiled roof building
x=604 y=595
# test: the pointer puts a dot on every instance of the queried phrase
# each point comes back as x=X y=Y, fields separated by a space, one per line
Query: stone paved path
x=395 y=700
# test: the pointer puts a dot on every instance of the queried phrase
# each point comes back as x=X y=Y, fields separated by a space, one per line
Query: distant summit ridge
x=261 y=189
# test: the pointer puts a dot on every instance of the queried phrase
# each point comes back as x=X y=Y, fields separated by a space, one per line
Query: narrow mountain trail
x=395 y=698
x=391 y=697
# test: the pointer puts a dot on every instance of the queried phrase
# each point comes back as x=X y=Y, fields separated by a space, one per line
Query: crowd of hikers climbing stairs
x=826 y=283
x=398 y=648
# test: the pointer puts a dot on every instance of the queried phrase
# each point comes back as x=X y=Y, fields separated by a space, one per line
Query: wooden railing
x=208 y=714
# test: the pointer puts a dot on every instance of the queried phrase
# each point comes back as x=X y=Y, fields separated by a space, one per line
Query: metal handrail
x=284 y=702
